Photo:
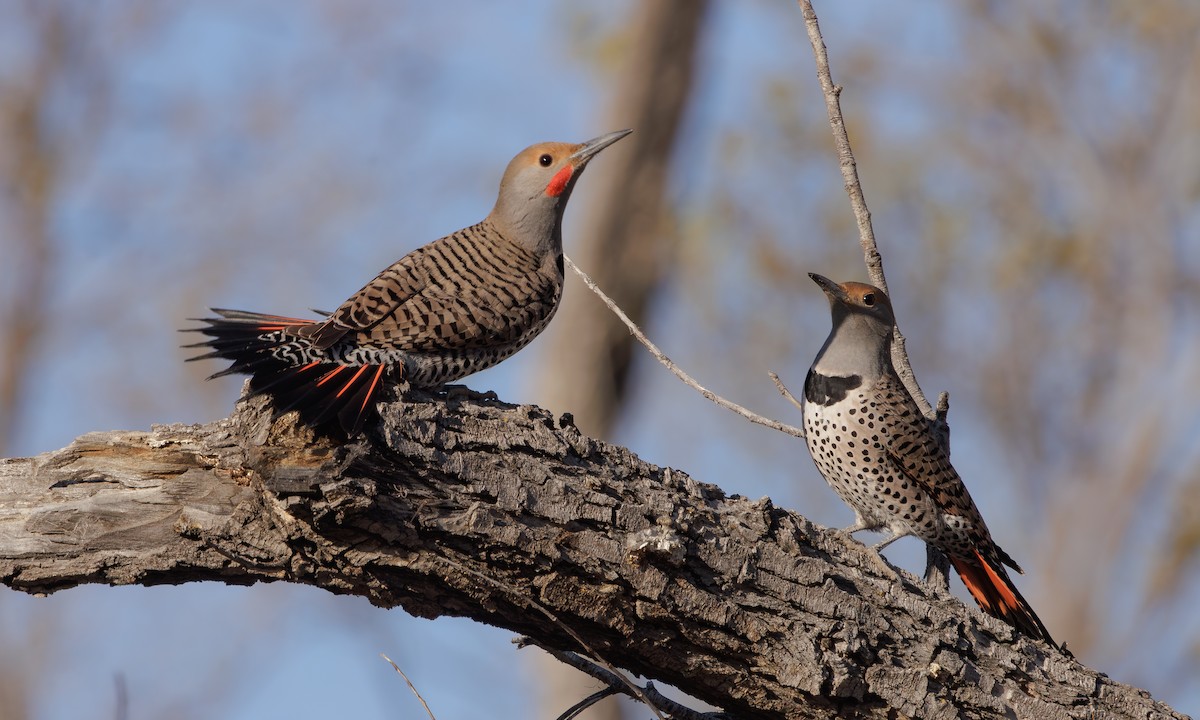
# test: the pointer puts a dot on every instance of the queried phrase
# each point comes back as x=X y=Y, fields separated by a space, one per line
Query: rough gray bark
x=470 y=509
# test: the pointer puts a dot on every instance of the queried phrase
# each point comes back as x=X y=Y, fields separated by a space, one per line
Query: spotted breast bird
x=879 y=453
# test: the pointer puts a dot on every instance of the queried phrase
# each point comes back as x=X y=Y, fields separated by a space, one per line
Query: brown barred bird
x=458 y=305
x=878 y=452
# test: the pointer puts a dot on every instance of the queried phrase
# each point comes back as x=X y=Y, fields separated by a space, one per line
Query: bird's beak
x=589 y=149
x=832 y=289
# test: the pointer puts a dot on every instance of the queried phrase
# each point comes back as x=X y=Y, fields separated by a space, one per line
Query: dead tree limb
x=742 y=604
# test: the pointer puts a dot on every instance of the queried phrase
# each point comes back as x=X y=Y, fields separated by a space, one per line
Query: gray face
x=855 y=298
x=536 y=187
x=860 y=340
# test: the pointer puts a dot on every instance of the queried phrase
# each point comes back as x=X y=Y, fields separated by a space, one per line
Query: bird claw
x=883 y=565
x=876 y=557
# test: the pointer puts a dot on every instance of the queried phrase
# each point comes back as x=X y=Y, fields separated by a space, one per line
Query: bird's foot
x=877 y=559
x=879 y=546
x=882 y=564
x=462 y=392
x=889 y=540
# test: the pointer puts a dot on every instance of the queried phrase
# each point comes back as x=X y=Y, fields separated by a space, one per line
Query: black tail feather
x=326 y=394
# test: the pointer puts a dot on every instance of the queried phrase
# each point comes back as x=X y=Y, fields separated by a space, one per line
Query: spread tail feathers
x=996 y=594
x=269 y=349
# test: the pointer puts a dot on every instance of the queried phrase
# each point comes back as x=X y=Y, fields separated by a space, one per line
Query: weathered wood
x=472 y=508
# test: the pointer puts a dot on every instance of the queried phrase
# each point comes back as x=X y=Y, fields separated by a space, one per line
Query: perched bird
x=879 y=453
x=458 y=305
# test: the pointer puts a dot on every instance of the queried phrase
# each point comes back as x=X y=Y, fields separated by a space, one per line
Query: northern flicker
x=458 y=305
x=880 y=455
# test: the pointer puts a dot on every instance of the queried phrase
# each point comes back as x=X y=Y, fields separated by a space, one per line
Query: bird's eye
x=869 y=299
x=545 y=160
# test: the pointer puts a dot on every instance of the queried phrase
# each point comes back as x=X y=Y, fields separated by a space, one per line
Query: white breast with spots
x=849 y=442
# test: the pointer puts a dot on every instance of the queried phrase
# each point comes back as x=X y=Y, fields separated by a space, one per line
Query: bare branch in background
x=616 y=683
x=29 y=162
x=411 y=687
x=37 y=161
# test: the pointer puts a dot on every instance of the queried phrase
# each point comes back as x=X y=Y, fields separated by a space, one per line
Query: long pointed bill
x=589 y=149
x=831 y=288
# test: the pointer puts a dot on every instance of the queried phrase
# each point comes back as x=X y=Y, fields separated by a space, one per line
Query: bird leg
x=884 y=543
x=859 y=524
x=882 y=563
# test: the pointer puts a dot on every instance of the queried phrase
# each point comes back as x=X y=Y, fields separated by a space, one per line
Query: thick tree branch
x=742 y=604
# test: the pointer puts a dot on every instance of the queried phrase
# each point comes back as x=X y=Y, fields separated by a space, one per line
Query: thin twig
x=833 y=107
x=943 y=406
x=573 y=711
x=410 y=685
x=520 y=597
x=616 y=683
x=785 y=392
x=858 y=202
x=122 y=710
x=940 y=423
x=675 y=369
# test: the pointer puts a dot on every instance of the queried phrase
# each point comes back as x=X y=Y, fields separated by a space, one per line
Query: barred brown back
x=460 y=304
x=456 y=306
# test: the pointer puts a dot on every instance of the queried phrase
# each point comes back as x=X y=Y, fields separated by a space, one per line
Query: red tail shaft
x=324 y=393
x=996 y=594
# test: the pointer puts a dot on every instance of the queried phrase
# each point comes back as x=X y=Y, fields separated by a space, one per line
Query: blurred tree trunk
x=28 y=172
x=625 y=241
x=625 y=244
x=35 y=163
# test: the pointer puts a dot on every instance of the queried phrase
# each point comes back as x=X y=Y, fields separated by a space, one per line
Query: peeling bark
x=475 y=508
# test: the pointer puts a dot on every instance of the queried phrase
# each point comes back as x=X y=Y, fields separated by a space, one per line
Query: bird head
x=536 y=186
x=858 y=303
x=860 y=340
